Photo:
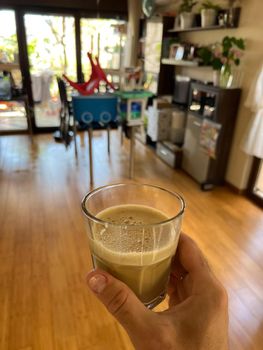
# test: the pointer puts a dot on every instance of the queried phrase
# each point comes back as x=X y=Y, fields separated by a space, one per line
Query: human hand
x=197 y=317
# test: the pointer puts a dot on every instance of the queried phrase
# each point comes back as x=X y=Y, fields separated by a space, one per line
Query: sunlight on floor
x=47 y=114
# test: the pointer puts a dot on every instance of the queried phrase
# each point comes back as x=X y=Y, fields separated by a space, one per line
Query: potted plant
x=207 y=58
x=186 y=14
x=222 y=57
x=229 y=52
x=208 y=13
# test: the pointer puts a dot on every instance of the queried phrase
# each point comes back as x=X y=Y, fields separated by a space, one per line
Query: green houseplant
x=208 y=13
x=229 y=52
x=186 y=14
x=223 y=57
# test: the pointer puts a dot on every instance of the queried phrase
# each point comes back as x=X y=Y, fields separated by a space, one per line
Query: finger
x=121 y=302
x=173 y=281
x=173 y=299
x=172 y=291
x=190 y=256
x=177 y=270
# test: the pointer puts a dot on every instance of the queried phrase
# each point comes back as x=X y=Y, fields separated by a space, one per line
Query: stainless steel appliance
x=195 y=161
x=220 y=106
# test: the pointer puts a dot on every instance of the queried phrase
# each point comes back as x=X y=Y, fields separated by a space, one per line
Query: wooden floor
x=44 y=255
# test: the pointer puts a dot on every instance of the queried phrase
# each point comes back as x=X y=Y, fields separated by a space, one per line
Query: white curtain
x=252 y=143
x=41 y=86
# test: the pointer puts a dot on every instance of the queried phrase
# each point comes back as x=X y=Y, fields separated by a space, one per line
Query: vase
x=216 y=77
x=186 y=20
x=226 y=76
x=208 y=17
x=238 y=76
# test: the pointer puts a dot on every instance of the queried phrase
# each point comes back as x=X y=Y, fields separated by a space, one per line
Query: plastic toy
x=97 y=75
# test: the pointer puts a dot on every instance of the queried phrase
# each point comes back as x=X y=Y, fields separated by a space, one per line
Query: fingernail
x=97 y=283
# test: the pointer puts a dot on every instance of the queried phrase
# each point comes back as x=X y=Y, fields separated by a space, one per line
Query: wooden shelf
x=199 y=29
x=184 y=63
x=8 y=67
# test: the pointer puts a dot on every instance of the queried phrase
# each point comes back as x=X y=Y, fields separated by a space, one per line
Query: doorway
x=51 y=52
x=258 y=189
x=255 y=184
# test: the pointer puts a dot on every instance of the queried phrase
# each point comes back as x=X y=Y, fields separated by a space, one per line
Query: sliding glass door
x=47 y=44
x=51 y=52
x=104 y=38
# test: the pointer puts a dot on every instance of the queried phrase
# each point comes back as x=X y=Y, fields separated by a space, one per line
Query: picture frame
x=173 y=50
x=180 y=53
x=176 y=52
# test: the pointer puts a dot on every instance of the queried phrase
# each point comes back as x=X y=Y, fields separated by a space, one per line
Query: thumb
x=121 y=302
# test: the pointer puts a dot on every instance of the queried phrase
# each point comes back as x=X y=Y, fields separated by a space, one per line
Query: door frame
x=252 y=181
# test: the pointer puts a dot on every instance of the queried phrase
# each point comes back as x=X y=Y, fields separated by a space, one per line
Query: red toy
x=97 y=75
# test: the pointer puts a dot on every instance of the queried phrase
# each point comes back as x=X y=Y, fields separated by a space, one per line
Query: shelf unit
x=206 y=170
x=165 y=84
x=168 y=65
x=236 y=11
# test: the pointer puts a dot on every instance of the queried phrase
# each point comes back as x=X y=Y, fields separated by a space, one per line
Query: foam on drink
x=132 y=249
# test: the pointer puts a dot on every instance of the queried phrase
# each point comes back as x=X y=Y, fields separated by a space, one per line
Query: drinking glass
x=137 y=254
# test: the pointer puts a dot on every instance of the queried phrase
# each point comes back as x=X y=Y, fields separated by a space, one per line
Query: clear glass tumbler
x=137 y=253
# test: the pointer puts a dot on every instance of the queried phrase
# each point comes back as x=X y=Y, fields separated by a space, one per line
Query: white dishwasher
x=195 y=161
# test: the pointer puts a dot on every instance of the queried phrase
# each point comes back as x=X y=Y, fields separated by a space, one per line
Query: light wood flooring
x=44 y=255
